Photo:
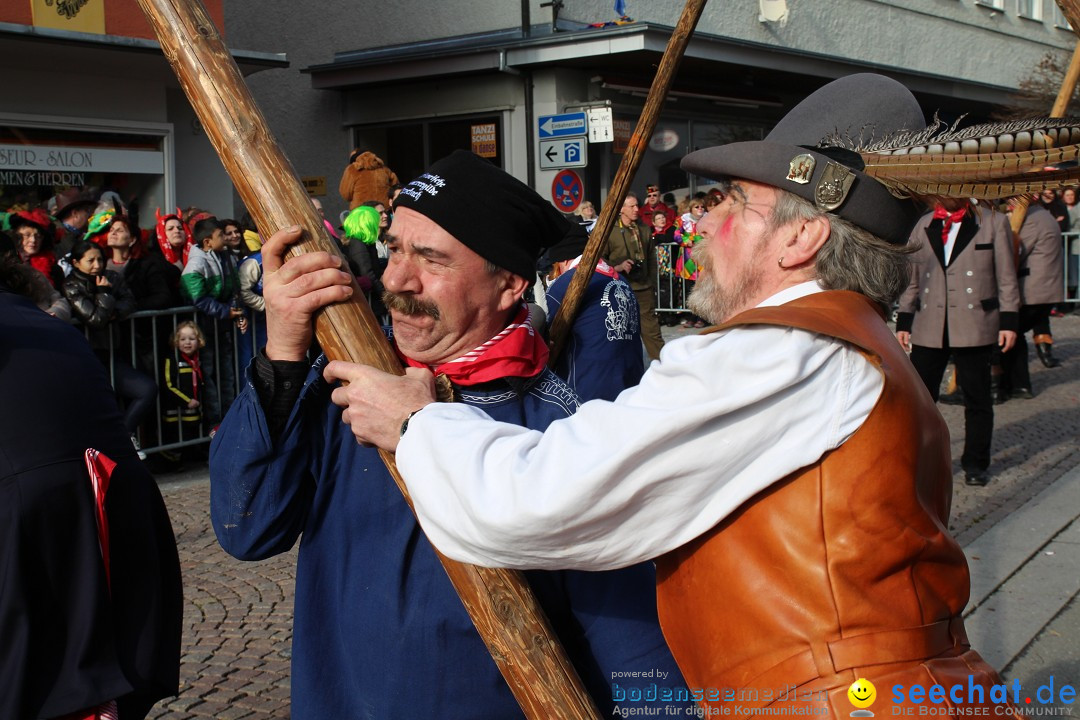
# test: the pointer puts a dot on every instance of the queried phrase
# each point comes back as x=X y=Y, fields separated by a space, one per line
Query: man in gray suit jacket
x=962 y=300
x=1041 y=272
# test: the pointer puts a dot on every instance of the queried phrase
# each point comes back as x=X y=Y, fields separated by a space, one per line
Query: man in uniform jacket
x=379 y=631
x=1040 y=272
x=962 y=301
x=631 y=251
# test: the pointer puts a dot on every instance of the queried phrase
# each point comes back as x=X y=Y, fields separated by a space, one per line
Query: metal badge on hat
x=833 y=187
x=801 y=168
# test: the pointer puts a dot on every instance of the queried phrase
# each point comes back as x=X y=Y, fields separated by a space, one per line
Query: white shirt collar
x=792 y=293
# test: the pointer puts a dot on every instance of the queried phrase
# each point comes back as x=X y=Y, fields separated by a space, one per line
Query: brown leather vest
x=843 y=565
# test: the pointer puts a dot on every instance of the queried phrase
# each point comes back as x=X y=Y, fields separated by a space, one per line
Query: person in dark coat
x=74 y=637
x=146 y=275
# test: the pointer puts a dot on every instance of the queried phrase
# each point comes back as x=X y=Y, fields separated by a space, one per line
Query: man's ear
x=809 y=237
x=513 y=288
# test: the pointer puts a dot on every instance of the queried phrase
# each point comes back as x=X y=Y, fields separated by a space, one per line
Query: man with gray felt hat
x=786 y=469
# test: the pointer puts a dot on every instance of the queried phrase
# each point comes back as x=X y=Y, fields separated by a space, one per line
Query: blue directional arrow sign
x=565 y=125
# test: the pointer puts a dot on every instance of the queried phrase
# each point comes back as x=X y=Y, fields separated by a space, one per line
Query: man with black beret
x=603 y=353
x=379 y=630
x=786 y=469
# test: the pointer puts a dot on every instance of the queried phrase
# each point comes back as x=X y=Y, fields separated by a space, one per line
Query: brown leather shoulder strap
x=841 y=314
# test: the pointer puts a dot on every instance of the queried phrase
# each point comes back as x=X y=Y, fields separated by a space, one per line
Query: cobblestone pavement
x=238 y=615
x=237 y=619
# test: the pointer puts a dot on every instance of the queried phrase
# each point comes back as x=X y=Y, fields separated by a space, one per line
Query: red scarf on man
x=516 y=351
x=949 y=218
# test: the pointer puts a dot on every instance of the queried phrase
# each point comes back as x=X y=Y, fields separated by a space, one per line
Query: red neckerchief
x=949 y=218
x=516 y=351
x=193 y=361
x=601 y=267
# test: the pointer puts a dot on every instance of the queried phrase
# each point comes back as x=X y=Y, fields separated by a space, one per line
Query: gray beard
x=719 y=304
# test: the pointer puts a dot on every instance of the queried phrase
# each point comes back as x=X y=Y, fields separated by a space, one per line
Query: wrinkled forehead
x=412 y=231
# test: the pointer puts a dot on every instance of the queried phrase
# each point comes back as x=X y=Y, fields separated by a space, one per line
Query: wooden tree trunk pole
x=1071 y=10
x=631 y=160
x=500 y=602
x=1068 y=85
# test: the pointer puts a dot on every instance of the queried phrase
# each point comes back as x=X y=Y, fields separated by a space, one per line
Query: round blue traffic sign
x=567 y=191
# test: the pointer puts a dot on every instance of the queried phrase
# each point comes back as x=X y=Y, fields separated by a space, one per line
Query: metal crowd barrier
x=1071 y=242
x=146 y=338
x=143 y=340
x=671 y=290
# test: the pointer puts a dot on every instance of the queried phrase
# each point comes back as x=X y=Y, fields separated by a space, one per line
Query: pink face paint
x=725 y=229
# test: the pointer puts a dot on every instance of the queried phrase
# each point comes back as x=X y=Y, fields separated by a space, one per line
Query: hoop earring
x=780 y=262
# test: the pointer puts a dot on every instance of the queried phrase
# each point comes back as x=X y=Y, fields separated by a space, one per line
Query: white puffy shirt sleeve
x=717 y=419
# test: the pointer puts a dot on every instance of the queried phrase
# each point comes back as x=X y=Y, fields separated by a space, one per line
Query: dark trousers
x=219 y=377
x=650 y=326
x=973 y=377
x=138 y=390
x=1014 y=364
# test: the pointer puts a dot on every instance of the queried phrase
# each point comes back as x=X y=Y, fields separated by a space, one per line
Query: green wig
x=362 y=224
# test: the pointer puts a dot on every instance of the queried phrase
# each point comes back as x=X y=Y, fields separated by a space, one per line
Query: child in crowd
x=182 y=389
x=250 y=279
x=99 y=300
x=665 y=238
x=209 y=281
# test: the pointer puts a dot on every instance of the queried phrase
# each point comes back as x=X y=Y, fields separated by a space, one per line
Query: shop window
x=40 y=166
x=410 y=148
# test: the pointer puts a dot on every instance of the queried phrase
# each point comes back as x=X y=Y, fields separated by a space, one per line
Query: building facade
x=90 y=101
x=91 y=105
x=416 y=80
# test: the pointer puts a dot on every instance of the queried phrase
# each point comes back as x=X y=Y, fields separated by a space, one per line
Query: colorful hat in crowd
x=859 y=148
x=37 y=218
x=99 y=225
x=511 y=238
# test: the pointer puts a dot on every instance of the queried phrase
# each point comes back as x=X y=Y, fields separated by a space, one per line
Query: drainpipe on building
x=527 y=87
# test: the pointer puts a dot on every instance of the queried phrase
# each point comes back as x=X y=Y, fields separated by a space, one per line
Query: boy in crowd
x=209 y=281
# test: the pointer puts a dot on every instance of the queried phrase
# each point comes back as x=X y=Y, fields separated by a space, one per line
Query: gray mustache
x=409 y=305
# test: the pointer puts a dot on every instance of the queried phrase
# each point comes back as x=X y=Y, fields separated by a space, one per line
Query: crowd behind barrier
x=1071 y=240
x=227 y=299
x=143 y=339
x=145 y=350
x=671 y=289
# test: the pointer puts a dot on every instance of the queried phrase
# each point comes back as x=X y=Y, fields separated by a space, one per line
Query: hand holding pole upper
x=295 y=290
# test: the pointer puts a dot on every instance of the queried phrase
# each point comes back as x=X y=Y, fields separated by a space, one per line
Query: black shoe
x=953 y=398
x=976 y=478
x=1045 y=351
x=1022 y=393
x=998 y=390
